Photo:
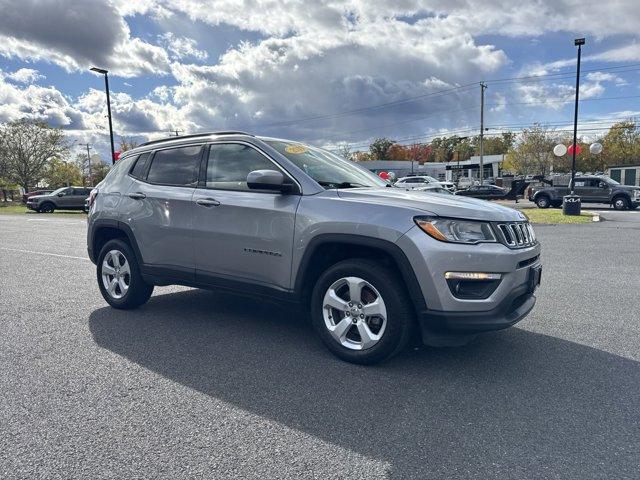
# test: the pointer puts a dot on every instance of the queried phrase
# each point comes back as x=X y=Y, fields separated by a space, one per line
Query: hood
x=38 y=197
x=628 y=188
x=434 y=204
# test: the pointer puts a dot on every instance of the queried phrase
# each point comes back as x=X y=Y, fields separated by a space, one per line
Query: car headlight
x=456 y=230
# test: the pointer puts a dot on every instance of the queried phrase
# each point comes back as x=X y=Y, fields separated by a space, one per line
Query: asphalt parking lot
x=200 y=384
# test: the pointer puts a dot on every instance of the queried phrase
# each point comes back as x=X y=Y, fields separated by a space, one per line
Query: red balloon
x=116 y=156
x=384 y=175
x=570 y=149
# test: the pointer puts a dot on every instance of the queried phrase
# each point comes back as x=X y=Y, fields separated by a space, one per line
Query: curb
x=595 y=217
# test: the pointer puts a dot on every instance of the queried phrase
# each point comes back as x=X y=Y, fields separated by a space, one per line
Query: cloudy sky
x=322 y=71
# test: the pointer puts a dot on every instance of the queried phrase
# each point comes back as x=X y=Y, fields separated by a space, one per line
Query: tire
x=621 y=203
x=129 y=289
x=387 y=327
x=543 y=201
x=46 y=207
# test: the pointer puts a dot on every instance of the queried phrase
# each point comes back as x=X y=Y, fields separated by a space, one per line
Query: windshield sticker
x=296 y=149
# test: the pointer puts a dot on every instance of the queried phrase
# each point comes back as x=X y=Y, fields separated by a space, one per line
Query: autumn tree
x=419 y=152
x=379 y=149
x=533 y=153
x=27 y=148
x=621 y=145
x=62 y=174
x=398 y=152
x=361 y=156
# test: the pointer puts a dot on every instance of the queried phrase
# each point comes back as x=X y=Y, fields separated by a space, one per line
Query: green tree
x=621 y=145
x=27 y=148
x=533 y=153
x=379 y=149
x=62 y=174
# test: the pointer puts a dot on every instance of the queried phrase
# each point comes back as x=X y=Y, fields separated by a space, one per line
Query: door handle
x=137 y=196
x=207 y=202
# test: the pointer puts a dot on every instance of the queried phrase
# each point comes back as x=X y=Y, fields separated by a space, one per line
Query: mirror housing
x=60 y=194
x=267 y=180
x=603 y=185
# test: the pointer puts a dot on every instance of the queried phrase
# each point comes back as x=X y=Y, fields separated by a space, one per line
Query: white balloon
x=392 y=175
x=559 y=150
x=595 y=148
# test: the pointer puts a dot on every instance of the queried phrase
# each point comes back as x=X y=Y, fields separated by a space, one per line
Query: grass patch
x=555 y=216
x=15 y=208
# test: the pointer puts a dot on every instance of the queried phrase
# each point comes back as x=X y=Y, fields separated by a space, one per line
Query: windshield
x=329 y=170
x=55 y=192
x=610 y=180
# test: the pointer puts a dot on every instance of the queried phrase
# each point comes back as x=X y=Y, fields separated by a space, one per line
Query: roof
x=195 y=135
x=624 y=166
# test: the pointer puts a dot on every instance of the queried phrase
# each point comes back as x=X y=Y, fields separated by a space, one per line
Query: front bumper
x=446 y=316
x=32 y=206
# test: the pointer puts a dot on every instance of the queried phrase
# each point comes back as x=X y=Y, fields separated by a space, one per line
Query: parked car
x=65 y=198
x=465 y=182
x=450 y=186
x=414 y=181
x=237 y=213
x=26 y=196
x=485 y=192
x=591 y=189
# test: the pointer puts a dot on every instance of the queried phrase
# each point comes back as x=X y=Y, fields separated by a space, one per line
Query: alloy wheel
x=116 y=274
x=354 y=313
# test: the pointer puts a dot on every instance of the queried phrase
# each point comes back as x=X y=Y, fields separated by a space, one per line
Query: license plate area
x=535 y=276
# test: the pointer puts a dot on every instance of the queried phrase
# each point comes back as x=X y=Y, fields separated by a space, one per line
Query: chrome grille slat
x=517 y=234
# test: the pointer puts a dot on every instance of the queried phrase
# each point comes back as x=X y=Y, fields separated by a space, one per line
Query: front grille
x=517 y=234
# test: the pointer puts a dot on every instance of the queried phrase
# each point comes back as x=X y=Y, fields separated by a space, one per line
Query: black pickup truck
x=591 y=189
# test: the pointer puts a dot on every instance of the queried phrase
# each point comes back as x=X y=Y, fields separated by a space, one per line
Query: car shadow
x=513 y=404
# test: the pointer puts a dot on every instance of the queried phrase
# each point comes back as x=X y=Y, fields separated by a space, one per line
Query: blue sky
x=329 y=73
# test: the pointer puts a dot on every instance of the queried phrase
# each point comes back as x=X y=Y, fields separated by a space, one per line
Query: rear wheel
x=47 y=207
x=361 y=312
x=119 y=277
x=543 y=201
x=621 y=203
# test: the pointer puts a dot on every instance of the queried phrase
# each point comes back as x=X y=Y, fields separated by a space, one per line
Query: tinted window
x=175 y=166
x=229 y=164
x=140 y=168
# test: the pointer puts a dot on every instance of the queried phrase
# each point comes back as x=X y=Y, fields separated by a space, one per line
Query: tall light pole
x=106 y=86
x=571 y=204
x=88 y=145
x=483 y=86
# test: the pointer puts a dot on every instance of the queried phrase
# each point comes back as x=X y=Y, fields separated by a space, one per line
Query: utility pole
x=89 y=162
x=177 y=132
x=483 y=86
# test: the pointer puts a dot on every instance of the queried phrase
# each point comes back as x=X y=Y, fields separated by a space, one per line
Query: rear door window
x=139 y=170
x=176 y=166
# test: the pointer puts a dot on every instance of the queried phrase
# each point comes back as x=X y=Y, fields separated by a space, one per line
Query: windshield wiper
x=340 y=184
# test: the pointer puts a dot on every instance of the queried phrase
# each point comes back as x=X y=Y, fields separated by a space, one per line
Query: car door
x=587 y=189
x=242 y=234
x=158 y=208
x=78 y=197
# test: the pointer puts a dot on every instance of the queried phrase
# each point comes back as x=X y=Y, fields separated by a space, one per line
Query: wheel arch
x=327 y=249
x=104 y=230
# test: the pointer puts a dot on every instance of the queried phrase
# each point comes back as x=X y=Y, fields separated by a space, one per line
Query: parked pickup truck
x=591 y=189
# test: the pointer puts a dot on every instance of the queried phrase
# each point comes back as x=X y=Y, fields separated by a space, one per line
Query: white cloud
x=181 y=48
x=76 y=34
x=25 y=75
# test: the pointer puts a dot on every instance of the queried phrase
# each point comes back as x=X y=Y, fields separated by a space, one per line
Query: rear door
x=159 y=209
x=242 y=234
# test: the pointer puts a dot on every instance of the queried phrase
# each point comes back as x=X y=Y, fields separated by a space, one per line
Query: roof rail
x=195 y=135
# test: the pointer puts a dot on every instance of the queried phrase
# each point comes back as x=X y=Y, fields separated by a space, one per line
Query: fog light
x=472 y=276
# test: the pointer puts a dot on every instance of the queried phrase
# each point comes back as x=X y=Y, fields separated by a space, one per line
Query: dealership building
x=445 y=171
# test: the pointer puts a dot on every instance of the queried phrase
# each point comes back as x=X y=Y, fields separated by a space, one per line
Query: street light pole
x=106 y=86
x=579 y=42
x=572 y=204
x=483 y=86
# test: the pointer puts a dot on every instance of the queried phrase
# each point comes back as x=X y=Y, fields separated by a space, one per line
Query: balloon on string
x=595 y=148
x=570 y=149
x=384 y=175
x=559 y=150
x=392 y=175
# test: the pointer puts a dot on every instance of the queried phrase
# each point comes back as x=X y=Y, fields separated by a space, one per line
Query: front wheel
x=543 y=201
x=119 y=278
x=47 y=207
x=620 y=203
x=360 y=311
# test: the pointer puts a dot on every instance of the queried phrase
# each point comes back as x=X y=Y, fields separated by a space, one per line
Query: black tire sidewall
x=139 y=291
x=625 y=201
x=399 y=310
x=543 y=198
x=47 y=207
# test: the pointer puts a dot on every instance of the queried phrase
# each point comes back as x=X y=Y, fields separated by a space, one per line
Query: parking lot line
x=42 y=253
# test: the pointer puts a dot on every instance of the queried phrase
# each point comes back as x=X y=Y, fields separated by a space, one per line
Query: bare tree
x=127 y=143
x=27 y=148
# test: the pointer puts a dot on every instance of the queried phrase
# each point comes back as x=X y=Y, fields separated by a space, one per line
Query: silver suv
x=270 y=217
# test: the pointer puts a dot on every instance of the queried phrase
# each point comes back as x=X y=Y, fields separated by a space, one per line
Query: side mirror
x=603 y=185
x=60 y=195
x=266 y=180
